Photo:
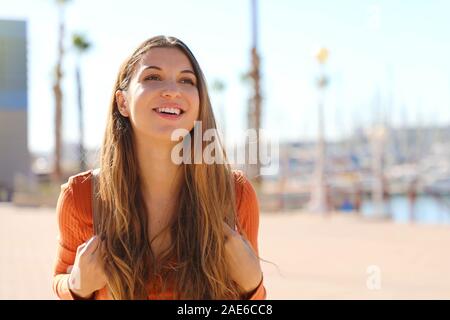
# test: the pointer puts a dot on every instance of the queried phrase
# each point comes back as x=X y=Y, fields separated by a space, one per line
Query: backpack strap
x=94 y=188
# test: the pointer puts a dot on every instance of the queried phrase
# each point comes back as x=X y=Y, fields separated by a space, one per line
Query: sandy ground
x=336 y=257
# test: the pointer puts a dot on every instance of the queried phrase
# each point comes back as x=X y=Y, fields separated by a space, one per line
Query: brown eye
x=187 y=80
x=152 y=77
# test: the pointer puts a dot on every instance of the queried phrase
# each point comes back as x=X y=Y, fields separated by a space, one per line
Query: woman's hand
x=87 y=274
x=242 y=261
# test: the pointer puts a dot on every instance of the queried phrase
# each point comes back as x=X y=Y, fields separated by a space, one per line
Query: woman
x=163 y=230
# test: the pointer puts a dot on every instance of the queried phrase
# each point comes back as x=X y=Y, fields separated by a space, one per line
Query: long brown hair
x=206 y=199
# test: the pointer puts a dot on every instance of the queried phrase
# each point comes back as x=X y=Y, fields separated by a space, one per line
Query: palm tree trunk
x=254 y=114
x=57 y=171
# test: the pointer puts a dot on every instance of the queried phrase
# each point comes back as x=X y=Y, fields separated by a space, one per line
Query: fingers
x=88 y=247
x=92 y=245
x=233 y=234
x=229 y=232
x=81 y=247
x=75 y=278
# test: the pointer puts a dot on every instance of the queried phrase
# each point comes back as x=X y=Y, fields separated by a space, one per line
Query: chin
x=164 y=135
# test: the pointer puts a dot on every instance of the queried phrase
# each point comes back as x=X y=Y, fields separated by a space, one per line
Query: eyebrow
x=158 y=68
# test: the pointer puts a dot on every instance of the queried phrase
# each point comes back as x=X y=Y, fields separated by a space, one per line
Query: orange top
x=74 y=211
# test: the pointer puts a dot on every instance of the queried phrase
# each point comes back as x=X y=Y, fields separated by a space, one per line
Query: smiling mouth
x=169 y=111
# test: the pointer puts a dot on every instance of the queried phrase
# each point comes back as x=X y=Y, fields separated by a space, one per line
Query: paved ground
x=27 y=252
x=339 y=257
x=346 y=257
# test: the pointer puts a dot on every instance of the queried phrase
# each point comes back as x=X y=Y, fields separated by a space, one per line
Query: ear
x=122 y=103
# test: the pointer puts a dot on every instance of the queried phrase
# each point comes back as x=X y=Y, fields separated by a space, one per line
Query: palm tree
x=81 y=45
x=57 y=172
x=254 y=114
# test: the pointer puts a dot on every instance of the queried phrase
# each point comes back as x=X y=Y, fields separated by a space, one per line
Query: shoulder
x=247 y=208
x=246 y=196
x=75 y=197
x=80 y=179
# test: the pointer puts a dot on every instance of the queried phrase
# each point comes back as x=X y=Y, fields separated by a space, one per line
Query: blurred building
x=14 y=155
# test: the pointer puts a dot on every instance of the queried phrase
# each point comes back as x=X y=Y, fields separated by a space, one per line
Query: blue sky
x=396 y=50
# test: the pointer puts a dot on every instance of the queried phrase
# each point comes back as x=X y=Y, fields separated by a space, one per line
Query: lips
x=168 y=115
x=170 y=108
x=171 y=111
x=175 y=111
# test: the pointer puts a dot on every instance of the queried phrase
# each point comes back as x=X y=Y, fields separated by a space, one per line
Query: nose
x=170 y=91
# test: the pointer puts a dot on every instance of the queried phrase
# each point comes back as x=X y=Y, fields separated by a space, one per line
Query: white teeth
x=169 y=110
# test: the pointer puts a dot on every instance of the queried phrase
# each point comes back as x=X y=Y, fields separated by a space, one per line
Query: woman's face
x=162 y=95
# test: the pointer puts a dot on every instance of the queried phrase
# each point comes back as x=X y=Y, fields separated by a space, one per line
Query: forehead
x=166 y=58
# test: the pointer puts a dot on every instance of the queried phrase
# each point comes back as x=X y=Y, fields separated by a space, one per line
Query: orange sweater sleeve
x=248 y=221
x=74 y=229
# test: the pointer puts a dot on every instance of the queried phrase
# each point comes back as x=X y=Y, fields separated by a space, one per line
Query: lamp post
x=318 y=202
x=378 y=139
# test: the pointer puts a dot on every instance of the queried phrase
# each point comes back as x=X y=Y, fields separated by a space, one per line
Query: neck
x=160 y=182
x=160 y=177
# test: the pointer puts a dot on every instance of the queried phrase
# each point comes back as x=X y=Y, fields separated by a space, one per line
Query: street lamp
x=378 y=136
x=318 y=202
